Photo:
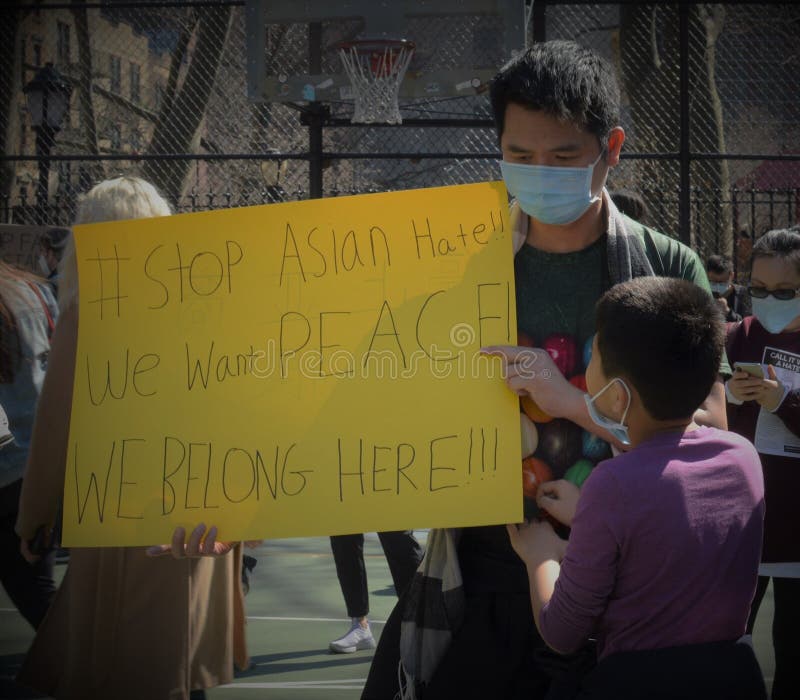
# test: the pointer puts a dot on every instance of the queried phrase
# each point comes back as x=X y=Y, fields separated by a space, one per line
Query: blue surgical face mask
x=775 y=314
x=719 y=287
x=617 y=428
x=551 y=194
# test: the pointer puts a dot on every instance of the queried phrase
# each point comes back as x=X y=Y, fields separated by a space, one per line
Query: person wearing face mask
x=28 y=313
x=662 y=559
x=766 y=410
x=733 y=298
x=557 y=113
x=52 y=244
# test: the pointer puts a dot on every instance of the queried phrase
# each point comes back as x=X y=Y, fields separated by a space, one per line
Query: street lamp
x=48 y=96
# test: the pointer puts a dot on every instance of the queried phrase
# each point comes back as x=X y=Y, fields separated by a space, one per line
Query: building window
x=115 y=137
x=135 y=92
x=23 y=131
x=23 y=59
x=115 y=69
x=62 y=47
x=37 y=55
x=136 y=141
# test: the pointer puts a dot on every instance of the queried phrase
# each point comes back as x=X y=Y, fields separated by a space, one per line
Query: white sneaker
x=356 y=639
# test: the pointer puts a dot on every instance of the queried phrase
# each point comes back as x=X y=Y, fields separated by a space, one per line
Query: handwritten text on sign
x=300 y=369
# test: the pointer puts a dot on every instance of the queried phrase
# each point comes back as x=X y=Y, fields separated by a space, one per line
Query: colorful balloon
x=525 y=340
x=532 y=410
x=530 y=436
x=564 y=351
x=594 y=447
x=534 y=473
x=559 y=445
x=579 y=380
x=587 y=352
x=579 y=472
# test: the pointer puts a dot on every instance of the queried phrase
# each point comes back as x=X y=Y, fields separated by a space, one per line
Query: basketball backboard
x=459 y=45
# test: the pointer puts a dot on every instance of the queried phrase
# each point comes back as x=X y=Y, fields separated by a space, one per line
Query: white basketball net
x=375 y=75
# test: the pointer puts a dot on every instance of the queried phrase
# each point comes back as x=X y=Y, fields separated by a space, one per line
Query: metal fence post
x=684 y=204
x=539 y=23
x=316 y=116
x=736 y=236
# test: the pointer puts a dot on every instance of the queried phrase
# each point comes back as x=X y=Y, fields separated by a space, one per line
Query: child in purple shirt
x=662 y=559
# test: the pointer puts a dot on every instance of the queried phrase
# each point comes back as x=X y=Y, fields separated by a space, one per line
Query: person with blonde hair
x=111 y=200
x=123 y=625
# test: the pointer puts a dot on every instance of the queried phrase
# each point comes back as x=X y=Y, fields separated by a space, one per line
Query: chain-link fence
x=159 y=90
x=708 y=91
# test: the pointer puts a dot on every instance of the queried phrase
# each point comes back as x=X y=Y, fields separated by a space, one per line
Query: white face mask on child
x=617 y=428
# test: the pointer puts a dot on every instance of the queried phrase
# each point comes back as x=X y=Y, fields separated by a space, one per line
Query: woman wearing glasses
x=764 y=406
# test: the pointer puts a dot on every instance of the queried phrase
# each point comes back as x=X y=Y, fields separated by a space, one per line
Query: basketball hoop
x=376 y=68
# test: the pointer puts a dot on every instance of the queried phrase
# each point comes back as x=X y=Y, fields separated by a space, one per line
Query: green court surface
x=294 y=609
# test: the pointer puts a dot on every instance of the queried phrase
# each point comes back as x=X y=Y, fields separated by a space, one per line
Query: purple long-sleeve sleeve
x=664 y=548
x=589 y=569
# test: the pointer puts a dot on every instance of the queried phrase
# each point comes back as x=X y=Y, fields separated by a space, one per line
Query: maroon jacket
x=746 y=342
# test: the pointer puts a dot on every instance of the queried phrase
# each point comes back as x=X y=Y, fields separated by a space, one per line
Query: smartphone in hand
x=754 y=369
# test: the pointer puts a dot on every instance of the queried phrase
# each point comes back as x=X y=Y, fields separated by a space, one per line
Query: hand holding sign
x=533 y=372
x=202 y=543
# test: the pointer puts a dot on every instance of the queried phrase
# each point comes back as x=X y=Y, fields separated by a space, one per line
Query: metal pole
x=43 y=145
x=42 y=150
x=684 y=204
x=316 y=114
x=316 y=118
x=539 y=14
x=736 y=236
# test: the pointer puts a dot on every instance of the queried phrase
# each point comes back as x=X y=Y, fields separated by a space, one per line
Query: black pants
x=403 y=553
x=713 y=671
x=494 y=655
x=30 y=586
x=785 y=640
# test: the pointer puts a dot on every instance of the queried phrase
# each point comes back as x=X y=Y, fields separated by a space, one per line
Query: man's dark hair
x=781 y=243
x=631 y=204
x=665 y=336
x=719 y=264
x=563 y=79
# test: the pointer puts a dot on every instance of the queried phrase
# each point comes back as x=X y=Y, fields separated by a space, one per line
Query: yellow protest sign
x=298 y=369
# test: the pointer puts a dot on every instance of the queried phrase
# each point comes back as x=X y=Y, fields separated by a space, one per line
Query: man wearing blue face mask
x=557 y=113
x=733 y=298
x=556 y=108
